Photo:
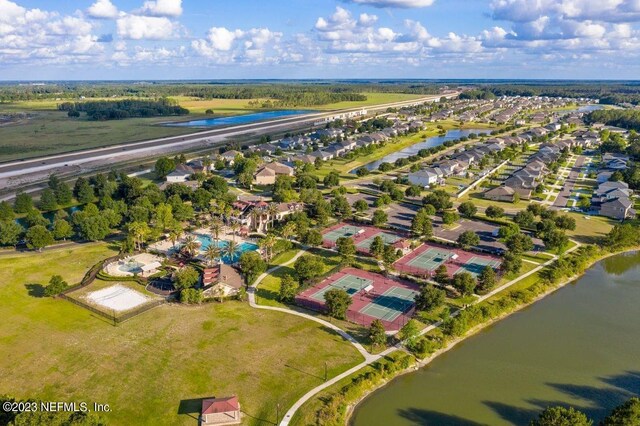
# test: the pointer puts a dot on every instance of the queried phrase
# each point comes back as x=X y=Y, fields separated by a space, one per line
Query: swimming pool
x=131 y=267
x=206 y=241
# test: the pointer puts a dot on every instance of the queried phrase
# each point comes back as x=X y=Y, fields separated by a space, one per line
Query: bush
x=56 y=286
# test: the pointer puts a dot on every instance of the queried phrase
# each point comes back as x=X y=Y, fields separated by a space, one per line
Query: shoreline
x=472 y=332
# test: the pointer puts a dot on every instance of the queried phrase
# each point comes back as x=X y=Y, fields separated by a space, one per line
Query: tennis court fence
x=359 y=318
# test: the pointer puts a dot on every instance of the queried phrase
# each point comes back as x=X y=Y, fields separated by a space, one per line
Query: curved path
x=370 y=359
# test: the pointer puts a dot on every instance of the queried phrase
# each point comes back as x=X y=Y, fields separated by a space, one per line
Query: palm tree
x=272 y=211
x=211 y=253
x=269 y=241
x=216 y=229
x=288 y=230
x=230 y=250
x=190 y=246
x=256 y=218
x=174 y=236
x=235 y=226
x=139 y=232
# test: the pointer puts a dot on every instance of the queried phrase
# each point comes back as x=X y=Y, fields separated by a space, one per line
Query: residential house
x=180 y=174
x=500 y=193
x=423 y=178
x=266 y=175
x=230 y=156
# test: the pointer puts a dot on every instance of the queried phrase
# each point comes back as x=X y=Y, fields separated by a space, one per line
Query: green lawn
x=52 y=132
x=155 y=367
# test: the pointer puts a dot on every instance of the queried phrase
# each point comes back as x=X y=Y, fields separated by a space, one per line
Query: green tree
x=465 y=283
x=191 y=296
x=449 y=217
x=48 y=200
x=23 y=203
x=83 y=191
x=288 y=289
x=332 y=179
x=494 y=212
x=6 y=212
x=34 y=217
x=506 y=231
x=467 y=209
x=251 y=265
x=519 y=243
x=421 y=224
x=487 y=279
x=64 y=195
x=511 y=263
x=56 y=286
x=524 y=219
x=346 y=248
x=561 y=416
x=390 y=254
x=430 y=297
x=62 y=229
x=441 y=275
x=468 y=239
x=10 y=233
x=38 y=237
x=380 y=217
x=313 y=237
x=556 y=240
x=337 y=302
x=625 y=414
x=307 y=267
x=377 y=333
x=362 y=171
x=361 y=206
x=163 y=167
x=409 y=332
x=439 y=199
x=186 y=277
x=376 y=249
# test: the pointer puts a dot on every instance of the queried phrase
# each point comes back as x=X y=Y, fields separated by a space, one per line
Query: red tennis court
x=374 y=296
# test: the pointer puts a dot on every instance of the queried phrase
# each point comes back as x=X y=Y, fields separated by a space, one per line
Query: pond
x=240 y=119
x=427 y=143
x=579 y=346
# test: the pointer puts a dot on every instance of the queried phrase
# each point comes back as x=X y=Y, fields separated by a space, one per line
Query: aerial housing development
x=276 y=214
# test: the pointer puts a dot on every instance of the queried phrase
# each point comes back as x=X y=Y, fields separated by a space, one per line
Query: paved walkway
x=373 y=358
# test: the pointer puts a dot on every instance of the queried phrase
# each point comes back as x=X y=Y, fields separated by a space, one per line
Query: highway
x=146 y=149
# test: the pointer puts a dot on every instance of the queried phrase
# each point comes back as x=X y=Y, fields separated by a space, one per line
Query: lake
x=578 y=346
x=241 y=119
x=427 y=143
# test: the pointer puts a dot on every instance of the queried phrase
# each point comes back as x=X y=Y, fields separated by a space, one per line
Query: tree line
x=121 y=109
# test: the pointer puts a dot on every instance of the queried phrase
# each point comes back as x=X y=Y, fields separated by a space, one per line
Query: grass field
x=52 y=132
x=155 y=367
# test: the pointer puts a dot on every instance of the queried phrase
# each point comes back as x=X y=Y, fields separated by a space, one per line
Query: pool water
x=131 y=267
x=206 y=241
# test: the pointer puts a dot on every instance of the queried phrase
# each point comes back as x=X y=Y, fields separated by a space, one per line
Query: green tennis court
x=349 y=283
x=387 y=238
x=430 y=259
x=345 y=231
x=476 y=264
x=390 y=305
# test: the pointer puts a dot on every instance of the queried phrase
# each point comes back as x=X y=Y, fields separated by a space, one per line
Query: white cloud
x=255 y=45
x=394 y=3
x=103 y=9
x=170 y=8
x=136 y=27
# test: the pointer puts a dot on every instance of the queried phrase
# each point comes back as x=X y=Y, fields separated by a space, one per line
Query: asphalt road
x=563 y=197
x=131 y=151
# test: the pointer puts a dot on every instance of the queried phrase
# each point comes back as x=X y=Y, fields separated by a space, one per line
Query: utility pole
x=325 y=371
x=277 y=413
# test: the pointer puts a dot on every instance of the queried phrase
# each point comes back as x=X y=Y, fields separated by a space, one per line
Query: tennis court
x=387 y=238
x=390 y=305
x=431 y=258
x=350 y=283
x=476 y=264
x=343 y=231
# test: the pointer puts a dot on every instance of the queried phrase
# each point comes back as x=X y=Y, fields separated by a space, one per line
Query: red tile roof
x=220 y=405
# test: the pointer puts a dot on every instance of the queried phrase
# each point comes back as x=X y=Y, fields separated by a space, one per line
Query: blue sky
x=174 y=39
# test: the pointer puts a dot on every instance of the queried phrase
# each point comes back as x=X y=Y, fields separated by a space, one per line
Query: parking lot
x=401 y=215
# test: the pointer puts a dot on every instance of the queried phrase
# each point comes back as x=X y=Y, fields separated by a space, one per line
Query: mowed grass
x=219 y=106
x=154 y=368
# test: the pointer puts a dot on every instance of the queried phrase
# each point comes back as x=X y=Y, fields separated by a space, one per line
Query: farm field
x=158 y=364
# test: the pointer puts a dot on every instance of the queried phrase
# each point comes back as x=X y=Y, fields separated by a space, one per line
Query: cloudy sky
x=192 y=39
